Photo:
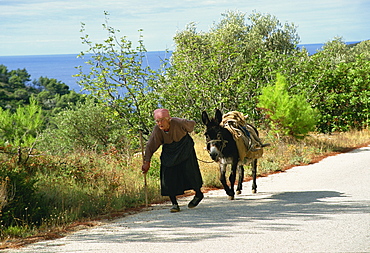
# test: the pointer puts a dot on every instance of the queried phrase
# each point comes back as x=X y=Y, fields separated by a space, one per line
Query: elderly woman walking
x=179 y=166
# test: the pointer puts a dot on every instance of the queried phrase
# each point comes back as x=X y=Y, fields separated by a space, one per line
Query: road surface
x=323 y=207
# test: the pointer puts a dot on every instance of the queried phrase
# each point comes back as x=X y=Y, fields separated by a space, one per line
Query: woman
x=179 y=165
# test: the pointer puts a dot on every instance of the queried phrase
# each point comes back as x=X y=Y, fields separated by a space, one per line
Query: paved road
x=324 y=207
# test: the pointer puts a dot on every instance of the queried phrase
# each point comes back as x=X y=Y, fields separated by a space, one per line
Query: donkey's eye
x=219 y=136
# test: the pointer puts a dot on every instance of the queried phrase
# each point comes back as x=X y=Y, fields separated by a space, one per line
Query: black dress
x=179 y=168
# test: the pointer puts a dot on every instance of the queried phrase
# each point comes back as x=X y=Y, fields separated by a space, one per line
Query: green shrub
x=287 y=115
x=343 y=97
x=23 y=205
x=20 y=128
x=89 y=127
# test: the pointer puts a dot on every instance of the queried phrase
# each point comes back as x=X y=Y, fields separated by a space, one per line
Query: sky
x=41 y=27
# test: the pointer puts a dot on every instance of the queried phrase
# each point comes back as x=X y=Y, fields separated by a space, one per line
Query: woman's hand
x=145 y=167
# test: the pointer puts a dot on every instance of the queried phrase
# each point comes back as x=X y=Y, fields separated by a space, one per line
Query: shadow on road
x=217 y=217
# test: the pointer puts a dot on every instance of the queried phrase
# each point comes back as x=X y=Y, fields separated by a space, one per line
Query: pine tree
x=288 y=114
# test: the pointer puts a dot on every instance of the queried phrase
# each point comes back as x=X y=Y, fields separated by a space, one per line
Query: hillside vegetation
x=65 y=157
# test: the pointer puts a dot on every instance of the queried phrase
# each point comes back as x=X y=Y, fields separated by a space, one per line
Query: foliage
x=225 y=67
x=346 y=103
x=19 y=130
x=335 y=81
x=287 y=114
x=23 y=209
x=55 y=95
x=88 y=126
x=362 y=48
x=16 y=89
x=77 y=186
x=13 y=89
x=53 y=191
x=119 y=79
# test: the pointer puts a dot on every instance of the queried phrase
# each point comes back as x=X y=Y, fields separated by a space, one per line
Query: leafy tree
x=287 y=114
x=18 y=78
x=335 y=52
x=335 y=82
x=89 y=126
x=51 y=85
x=119 y=80
x=13 y=89
x=55 y=95
x=225 y=67
x=343 y=97
x=362 y=48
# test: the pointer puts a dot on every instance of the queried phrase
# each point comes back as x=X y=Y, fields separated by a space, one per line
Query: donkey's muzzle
x=214 y=153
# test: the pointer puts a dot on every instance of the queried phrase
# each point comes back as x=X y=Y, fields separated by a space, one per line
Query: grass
x=287 y=152
x=86 y=186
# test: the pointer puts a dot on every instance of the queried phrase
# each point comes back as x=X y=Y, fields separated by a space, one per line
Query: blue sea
x=63 y=66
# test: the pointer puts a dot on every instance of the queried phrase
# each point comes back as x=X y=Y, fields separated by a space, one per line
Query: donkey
x=223 y=149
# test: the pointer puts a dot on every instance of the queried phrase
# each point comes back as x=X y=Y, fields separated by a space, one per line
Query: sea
x=62 y=67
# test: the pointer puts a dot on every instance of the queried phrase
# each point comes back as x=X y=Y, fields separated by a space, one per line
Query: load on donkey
x=231 y=140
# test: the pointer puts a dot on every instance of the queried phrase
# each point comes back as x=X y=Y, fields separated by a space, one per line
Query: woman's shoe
x=175 y=208
x=195 y=201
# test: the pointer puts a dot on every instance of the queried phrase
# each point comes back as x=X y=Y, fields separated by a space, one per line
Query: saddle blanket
x=246 y=138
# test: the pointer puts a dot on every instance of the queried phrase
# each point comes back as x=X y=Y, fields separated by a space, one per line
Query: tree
x=343 y=97
x=55 y=95
x=287 y=114
x=4 y=74
x=118 y=79
x=362 y=48
x=20 y=129
x=88 y=126
x=18 y=79
x=51 y=85
x=335 y=81
x=225 y=67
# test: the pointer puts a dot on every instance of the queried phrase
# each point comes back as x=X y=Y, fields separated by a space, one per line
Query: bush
x=343 y=97
x=87 y=127
x=287 y=115
x=23 y=205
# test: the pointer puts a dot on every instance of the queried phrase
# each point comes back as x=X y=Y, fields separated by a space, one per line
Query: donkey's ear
x=218 y=116
x=205 y=118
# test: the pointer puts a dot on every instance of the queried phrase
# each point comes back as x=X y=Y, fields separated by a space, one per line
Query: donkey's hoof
x=231 y=197
x=238 y=192
x=254 y=191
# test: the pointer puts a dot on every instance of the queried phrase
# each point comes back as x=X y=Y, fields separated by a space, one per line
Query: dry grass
x=108 y=185
x=209 y=169
x=286 y=152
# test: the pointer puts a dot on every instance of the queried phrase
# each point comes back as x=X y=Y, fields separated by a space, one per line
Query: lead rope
x=205 y=161
x=213 y=141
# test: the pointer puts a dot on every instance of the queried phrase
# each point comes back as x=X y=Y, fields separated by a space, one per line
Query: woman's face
x=163 y=123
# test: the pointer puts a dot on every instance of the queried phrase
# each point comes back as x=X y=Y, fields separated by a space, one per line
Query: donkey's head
x=217 y=137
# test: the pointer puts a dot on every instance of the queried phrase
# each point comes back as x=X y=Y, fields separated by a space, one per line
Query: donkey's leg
x=223 y=178
x=240 y=179
x=232 y=180
x=254 y=175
